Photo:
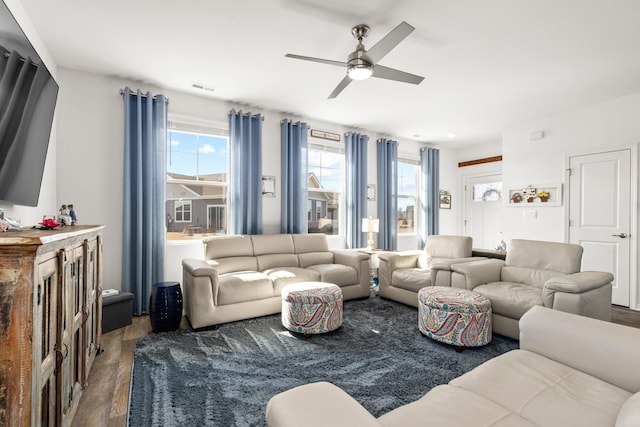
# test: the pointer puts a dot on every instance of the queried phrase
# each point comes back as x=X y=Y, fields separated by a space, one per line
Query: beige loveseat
x=536 y=273
x=402 y=274
x=243 y=276
x=570 y=371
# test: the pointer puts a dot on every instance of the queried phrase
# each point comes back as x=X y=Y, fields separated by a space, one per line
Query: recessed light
x=452 y=135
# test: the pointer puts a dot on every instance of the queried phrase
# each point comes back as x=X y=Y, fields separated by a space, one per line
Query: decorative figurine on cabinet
x=72 y=214
x=64 y=217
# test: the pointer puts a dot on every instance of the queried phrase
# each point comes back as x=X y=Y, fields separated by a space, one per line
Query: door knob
x=621 y=235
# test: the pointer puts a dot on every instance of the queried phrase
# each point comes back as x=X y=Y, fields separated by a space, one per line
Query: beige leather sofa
x=243 y=276
x=570 y=371
x=402 y=274
x=536 y=273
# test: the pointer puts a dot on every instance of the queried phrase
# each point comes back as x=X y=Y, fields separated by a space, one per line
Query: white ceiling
x=487 y=63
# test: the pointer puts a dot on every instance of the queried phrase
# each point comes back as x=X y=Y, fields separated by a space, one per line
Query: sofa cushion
x=561 y=257
x=238 y=263
x=314 y=258
x=242 y=286
x=440 y=246
x=276 y=260
x=510 y=299
x=629 y=415
x=337 y=274
x=304 y=243
x=272 y=244
x=544 y=392
x=227 y=246
x=529 y=276
x=449 y=406
x=283 y=276
x=411 y=279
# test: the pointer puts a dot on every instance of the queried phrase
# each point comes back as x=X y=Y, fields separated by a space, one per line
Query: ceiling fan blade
x=344 y=83
x=388 y=42
x=320 y=60
x=383 y=72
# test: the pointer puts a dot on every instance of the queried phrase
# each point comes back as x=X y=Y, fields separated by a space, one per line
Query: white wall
x=47 y=202
x=90 y=153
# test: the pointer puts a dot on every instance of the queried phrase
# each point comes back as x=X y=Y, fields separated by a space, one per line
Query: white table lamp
x=370 y=225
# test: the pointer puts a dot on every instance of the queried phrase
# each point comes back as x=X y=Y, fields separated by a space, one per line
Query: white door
x=483 y=213
x=600 y=215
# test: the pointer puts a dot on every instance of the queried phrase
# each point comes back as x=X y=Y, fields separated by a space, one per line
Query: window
x=197 y=168
x=408 y=175
x=324 y=189
x=183 y=211
x=487 y=192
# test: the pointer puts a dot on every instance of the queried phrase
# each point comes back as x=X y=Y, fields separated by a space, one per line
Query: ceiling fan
x=362 y=64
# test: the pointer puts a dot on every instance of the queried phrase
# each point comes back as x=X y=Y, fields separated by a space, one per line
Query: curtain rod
x=144 y=95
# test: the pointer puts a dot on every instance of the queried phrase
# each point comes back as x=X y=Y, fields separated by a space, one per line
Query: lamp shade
x=370 y=225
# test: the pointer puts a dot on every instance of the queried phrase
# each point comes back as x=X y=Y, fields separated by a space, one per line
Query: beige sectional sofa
x=570 y=371
x=242 y=276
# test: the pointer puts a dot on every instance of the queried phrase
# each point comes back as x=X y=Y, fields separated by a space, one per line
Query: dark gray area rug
x=225 y=377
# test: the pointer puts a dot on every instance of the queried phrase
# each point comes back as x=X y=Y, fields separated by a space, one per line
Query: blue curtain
x=355 y=187
x=145 y=168
x=387 y=154
x=430 y=177
x=245 y=186
x=293 y=137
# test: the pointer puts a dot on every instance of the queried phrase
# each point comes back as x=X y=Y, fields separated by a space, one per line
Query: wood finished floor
x=105 y=402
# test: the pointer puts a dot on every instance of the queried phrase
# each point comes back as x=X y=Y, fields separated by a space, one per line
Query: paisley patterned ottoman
x=454 y=316
x=311 y=307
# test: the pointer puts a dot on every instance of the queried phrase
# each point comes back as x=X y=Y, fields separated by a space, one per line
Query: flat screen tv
x=28 y=96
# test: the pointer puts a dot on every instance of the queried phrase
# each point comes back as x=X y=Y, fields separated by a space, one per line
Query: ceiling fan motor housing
x=359 y=67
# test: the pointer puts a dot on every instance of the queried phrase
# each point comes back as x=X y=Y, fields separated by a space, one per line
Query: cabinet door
x=49 y=352
x=71 y=335
x=93 y=323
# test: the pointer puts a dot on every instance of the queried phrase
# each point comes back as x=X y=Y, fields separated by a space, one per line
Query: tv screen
x=28 y=96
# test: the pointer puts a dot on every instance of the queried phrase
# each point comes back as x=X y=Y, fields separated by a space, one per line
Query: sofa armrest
x=358 y=260
x=199 y=268
x=585 y=344
x=318 y=404
x=579 y=282
x=476 y=273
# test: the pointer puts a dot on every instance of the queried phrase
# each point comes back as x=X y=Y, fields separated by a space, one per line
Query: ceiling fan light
x=360 y=72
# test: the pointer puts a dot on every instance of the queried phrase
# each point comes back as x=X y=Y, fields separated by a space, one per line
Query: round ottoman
x=311 y=307
x=454 y=316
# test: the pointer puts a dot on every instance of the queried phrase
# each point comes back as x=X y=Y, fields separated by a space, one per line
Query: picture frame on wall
x=445 y=199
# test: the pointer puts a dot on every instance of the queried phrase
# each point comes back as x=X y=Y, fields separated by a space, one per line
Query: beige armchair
x=402 y=274
x=536 y=273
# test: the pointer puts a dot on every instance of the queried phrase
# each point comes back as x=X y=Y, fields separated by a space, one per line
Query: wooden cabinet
x=50 y=322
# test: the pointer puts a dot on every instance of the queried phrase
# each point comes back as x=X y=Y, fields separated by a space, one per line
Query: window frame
x=183 y=203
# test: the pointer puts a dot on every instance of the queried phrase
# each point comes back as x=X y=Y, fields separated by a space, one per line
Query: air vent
x=203 y=87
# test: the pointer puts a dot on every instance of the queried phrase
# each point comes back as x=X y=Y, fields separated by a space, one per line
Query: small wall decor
x=371 y=192
x=325 y=135
x=268 y=186
x=539 y=195
x=445 y=199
